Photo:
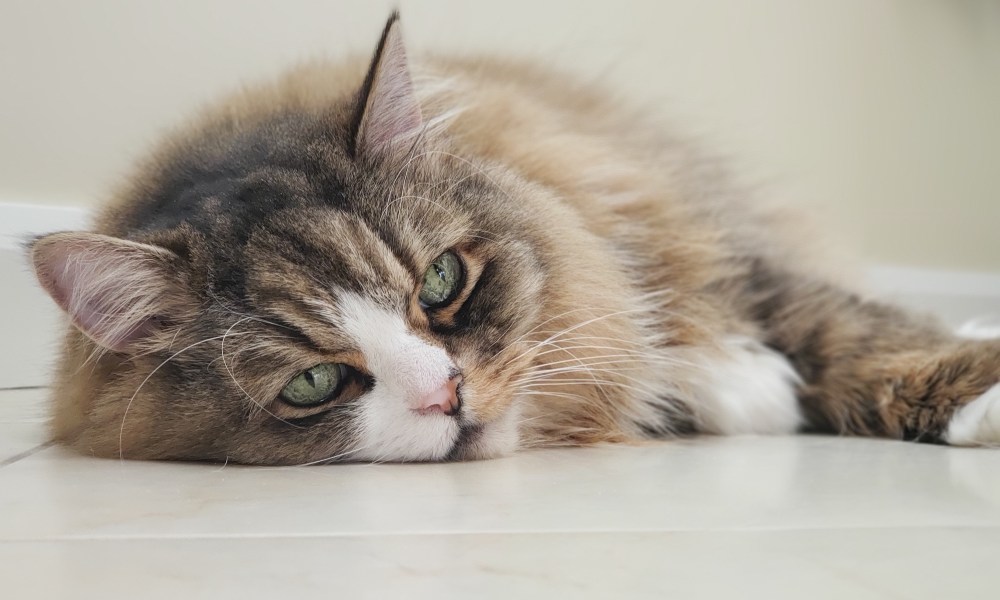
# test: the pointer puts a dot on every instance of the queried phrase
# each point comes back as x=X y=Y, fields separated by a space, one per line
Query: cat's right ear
x=115 y=291
x=387 y=112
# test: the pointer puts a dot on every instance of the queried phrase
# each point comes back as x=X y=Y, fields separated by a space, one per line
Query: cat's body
x=610 y=287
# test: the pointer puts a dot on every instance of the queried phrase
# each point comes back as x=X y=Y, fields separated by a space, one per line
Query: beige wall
x=882 y=116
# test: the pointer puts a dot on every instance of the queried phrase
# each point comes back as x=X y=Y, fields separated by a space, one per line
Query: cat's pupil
x=310 y=379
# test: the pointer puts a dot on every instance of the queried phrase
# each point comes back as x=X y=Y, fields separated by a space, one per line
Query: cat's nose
x=445 y=399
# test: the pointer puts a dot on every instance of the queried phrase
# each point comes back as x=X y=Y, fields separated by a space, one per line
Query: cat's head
x=305 y=285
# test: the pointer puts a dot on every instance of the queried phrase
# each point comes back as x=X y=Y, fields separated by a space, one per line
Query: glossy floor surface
x=791 y=517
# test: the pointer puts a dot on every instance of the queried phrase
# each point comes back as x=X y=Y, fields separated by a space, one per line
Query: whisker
x=121 y=431
x=329 y=459
x=222 y=355
x=581 y=324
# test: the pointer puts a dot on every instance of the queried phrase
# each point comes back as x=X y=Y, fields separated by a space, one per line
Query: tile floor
x=805 y=517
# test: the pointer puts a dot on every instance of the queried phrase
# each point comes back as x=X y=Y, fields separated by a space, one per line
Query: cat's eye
x=315 y=385
x=442 y=281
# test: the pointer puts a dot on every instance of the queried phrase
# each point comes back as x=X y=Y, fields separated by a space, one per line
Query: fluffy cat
x=454 y=260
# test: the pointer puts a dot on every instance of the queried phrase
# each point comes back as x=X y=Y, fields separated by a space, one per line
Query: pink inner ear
x=111 y=290
x=392 y=112
x=115 y=330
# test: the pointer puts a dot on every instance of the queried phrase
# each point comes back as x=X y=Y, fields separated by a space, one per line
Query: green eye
x=442 y=281
x=314 y=386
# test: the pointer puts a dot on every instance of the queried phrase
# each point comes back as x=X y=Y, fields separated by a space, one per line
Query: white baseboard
x=30 y=324
x=955 y=296
x=920 y=280
x=21 y=222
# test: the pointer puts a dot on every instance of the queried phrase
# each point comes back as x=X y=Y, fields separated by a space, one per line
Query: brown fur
x=629 y=255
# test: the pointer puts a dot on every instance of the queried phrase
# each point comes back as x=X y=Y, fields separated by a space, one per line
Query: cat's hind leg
x=868 y=368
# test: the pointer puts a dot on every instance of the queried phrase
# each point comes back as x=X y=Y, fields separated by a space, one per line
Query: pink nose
x=444 y=400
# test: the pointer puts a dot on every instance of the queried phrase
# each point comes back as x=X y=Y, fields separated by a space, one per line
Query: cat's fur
x=617 y=290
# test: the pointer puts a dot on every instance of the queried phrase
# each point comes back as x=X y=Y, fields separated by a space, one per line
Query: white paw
x=984 y=328
x=978 y=422
x=752 y=390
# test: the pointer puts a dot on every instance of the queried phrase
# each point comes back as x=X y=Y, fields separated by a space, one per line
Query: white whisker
x=121 y=431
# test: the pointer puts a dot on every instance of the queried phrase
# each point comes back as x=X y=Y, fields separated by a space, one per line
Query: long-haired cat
x=455 y=259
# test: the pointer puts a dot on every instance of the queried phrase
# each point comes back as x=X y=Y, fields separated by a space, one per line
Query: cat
x=457 y=259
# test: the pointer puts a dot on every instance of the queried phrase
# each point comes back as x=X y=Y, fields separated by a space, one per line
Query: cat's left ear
x=387 y=112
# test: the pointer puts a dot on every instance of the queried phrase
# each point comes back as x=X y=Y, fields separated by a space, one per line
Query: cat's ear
x=387 y=112
x=115 y=291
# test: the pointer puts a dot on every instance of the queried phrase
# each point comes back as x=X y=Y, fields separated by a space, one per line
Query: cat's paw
x=978 y=422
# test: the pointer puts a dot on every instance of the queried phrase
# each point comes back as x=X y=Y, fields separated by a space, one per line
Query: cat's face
x=387 y=331
x=311 y=289
x=383 y=329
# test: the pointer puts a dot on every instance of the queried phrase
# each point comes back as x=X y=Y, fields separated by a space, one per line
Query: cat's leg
x=868 y=368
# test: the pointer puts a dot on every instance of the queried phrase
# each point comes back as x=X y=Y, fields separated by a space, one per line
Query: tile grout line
x=25 y=454
x=6 y=462
x=518 y=532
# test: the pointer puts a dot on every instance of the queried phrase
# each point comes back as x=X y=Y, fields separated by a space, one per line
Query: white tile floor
x=808 y=517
